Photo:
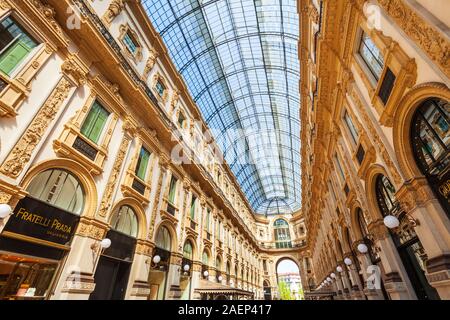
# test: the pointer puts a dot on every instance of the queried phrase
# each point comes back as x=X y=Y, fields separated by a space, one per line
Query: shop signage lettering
x=40 y=220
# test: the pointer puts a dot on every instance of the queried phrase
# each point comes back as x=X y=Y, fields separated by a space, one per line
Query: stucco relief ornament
x=153 y=55
x=21 y=153
x=70 y=68
x=4 y=5
x=175 y=99
x=105 y=205
x=114 y=9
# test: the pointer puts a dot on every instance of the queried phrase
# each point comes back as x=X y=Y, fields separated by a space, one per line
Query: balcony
x=171 y=209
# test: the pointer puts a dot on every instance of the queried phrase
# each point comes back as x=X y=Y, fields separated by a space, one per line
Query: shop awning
x=217 y=288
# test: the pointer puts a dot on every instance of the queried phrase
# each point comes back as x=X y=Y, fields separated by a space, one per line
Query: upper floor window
x=192 y=211
x=142 y=164
x=172 y=189
x=339 y=167
x=371 y=55
x=188 y=251
x=160 y=88
x=302 y=230
x=385 y=192
x=125 y=221
x=181 y=120
x=15 y=45
x=351 y=127
x=95 y=122
x=430 y=133
x=208 y=217
x=205 y=258
x=282 y=234
x=163 y=239
x=130 y=42
x=58 y=188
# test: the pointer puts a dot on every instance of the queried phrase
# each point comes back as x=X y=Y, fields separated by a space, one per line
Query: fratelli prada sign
x=34 y=218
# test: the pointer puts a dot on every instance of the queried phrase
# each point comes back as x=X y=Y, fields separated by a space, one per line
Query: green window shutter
x=13 y=56
x=95 y=122
x=193 y=208
x=172 y=190
x=207 y=220
x=142 y=164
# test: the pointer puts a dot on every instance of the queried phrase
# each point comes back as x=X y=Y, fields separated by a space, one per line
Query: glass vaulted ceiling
x=239 y=59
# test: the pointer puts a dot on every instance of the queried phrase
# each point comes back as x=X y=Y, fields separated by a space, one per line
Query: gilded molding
x=106 y=202
x=22 y=151
x=429 y=39
x=114 y=9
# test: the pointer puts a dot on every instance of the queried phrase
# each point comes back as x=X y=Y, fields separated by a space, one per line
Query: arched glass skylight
x=239 y=59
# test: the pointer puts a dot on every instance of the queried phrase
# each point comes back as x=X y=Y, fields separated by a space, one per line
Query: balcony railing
x=171 y=209
x=85 y=148
x=138 y=186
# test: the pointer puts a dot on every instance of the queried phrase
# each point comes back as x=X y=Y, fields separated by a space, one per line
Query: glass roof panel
x=239 y=59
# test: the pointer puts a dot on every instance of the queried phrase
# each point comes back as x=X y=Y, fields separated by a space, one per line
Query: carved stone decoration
x=114 y=9
x=90 y=228
x=49 y=13
x=174 y=101
x=21 y=153
x=4 y=197
x=429 y=39
x=153 y=55
x=71 y=69
x=163 y=166
x=186 y=187
x=105 y=204
x=377 y=142
x=4 y=5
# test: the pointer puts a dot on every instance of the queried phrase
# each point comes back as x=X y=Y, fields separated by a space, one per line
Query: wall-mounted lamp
x=98 y=248
x=339 y=269
x=347 y=261
x=391 y=221
x=220 y=278
x=333 y=275
x=5 y=211
x=362 y=248
x=206 y=274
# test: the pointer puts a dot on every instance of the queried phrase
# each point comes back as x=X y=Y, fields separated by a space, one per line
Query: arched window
x=125 y=221
x=408 y=244
x=60 y=189
x=187 y=250
x=163 y=239
x=430 y=133
x=205 y=258
x=362 y=222
x=385 y=193
x=282 y=234
x=218 y=263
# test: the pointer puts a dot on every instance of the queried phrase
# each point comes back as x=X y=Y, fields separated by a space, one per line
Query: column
x=173 y=277
x=396 y=280
x=196 y=277
x=138 y=285
x=433 y=229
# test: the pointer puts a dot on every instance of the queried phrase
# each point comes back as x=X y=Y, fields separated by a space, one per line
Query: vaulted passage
x=224 y=150
x=240 y=62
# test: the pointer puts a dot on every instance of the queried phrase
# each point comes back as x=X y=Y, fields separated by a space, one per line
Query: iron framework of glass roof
x=239 y=59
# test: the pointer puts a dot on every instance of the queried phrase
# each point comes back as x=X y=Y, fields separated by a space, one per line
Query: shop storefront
x=160 y=265
x=114 y=266
x=37 y=236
